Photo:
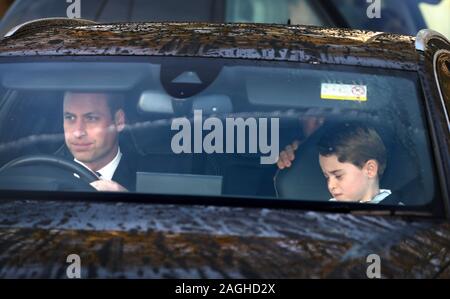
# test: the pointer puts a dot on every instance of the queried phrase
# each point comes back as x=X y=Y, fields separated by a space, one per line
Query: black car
x=223 y=209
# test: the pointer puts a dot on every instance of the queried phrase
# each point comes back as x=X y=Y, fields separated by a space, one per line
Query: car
x=209 y=108
x=401 y=16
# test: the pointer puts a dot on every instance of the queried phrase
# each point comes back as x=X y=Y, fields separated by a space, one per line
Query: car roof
x=248 y=41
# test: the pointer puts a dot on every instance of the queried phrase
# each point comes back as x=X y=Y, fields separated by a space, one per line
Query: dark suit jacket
x=394 y=199
x=125 y=173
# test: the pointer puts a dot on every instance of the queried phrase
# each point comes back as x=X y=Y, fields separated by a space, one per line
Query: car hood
x=135 y=240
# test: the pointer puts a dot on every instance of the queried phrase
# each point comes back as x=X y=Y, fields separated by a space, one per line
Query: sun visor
x=76 y=76
x=317 y=89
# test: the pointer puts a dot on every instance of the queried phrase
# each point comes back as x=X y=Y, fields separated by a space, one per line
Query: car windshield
x=399 y=16
x=194 y=126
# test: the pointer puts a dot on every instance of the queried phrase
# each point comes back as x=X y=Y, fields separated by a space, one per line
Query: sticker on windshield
x=347 y=92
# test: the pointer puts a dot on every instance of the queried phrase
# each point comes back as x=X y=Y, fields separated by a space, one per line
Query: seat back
x=304 y=179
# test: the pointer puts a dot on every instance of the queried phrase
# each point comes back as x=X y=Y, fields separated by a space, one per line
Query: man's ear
x=119 y=120
x=371 y=168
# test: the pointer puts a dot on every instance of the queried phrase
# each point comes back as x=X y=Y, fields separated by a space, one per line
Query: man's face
x=346 y=182
x=90 y=131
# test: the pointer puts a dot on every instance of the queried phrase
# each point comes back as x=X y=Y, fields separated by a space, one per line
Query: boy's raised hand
x=309 y=125
x=287 y=155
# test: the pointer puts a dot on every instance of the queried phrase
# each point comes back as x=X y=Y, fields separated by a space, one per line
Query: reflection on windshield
x=260 y=130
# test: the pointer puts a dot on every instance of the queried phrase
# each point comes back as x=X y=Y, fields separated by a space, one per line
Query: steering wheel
x=85 y=174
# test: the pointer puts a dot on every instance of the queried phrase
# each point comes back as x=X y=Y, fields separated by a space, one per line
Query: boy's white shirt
x=107 y=171
x=377 y=198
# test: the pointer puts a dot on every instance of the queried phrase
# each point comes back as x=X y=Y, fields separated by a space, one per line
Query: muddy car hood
x=249 y=41
x=136 y=240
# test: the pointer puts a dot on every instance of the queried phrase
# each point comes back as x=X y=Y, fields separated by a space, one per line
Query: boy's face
x=347 y=182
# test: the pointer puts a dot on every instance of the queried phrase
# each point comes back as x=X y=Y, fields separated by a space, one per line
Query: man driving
x=92 y=123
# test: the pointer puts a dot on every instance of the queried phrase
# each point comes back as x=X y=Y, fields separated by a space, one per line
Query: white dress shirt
x=376 y=199
x=107 y=171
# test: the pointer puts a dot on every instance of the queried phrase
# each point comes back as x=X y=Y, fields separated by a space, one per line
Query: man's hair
x=115 y=101
x=355 y=143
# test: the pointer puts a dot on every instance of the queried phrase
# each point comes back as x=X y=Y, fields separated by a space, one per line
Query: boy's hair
x=355 y=143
